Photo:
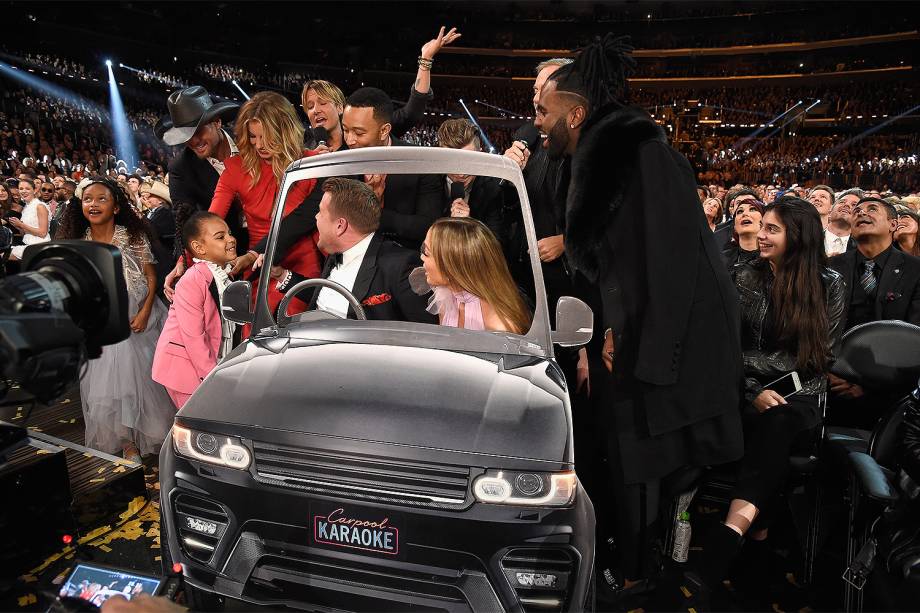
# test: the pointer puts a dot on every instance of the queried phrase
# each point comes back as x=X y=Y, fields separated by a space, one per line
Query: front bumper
x=481 y=558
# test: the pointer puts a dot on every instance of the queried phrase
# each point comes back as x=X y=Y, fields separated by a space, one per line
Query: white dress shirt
x=217 y=164
x=344 y=274
x=833 y=244
x=227 y=328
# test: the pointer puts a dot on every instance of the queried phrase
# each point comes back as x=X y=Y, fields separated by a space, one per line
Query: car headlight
x=212 y=448
x=525 y=488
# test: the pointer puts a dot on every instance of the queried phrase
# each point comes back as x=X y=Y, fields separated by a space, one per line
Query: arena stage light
x=125 y=147
x=476 y=123
x=69 y=97
x=741 y=142
x=868 y=132
x=242 y=91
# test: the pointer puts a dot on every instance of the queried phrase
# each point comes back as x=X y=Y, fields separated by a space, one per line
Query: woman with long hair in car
x=122 y=405
x=792 y=307
x=472 y=287
x=270 y=137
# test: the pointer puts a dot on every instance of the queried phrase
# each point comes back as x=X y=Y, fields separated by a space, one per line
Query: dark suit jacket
x=675 y=390
x=898 y=293
x=193 y=181
x=383 y=279
x=486 y=202
x=163 y=223
x=411 y=203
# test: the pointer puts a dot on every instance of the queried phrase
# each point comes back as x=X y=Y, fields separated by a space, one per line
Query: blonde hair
x=325 y=90
x=470 y=258
x=457 y=133
x=282 y=133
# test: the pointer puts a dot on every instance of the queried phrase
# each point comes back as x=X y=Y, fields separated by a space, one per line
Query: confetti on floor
x=28 y=599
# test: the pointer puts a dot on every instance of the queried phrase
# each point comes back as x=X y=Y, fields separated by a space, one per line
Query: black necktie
x=868 y=280
x=336 y=259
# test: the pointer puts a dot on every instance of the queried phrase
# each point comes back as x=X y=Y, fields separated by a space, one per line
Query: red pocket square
x=375 y=300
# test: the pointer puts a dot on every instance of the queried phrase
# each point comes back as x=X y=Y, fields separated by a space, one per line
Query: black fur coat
x=635 y=227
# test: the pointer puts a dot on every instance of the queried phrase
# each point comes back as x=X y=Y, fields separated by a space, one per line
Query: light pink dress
x=446 y=304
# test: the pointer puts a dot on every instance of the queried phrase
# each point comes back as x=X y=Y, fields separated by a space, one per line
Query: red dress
x=258 y=200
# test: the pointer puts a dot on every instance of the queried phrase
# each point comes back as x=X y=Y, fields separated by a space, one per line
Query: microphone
x=528 y=135
x=321 y=135
x=457 y=191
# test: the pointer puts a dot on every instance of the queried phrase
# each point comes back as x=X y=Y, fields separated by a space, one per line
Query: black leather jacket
x=764 y=363
x=910 y=438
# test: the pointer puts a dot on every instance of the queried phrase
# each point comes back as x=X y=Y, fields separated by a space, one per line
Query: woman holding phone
x=792 y=308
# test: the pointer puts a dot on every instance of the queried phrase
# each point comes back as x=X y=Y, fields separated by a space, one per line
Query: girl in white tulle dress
x=124 y=409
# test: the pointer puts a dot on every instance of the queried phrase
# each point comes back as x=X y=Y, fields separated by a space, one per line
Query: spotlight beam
x=242 y=91
x=497 y=108
x=476 y=123
x=868 y=132
x=69 y=97
x=740 y=143
x=783 y=125
x=125 y=147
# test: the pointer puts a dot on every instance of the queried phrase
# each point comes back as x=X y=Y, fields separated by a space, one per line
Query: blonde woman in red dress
x=269 y=136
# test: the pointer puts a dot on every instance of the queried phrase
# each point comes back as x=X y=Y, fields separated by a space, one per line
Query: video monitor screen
x=96 y=584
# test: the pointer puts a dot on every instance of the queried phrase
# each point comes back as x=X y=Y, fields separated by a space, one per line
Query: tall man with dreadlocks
x=635 y=229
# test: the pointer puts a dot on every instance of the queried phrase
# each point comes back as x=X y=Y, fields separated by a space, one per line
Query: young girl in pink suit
x=195 y=336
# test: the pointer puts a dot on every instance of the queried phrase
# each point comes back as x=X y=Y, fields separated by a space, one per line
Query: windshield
x=436 y=245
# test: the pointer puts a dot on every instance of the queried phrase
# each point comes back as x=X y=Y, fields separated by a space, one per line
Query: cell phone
x=787 y=385
x=96 y=584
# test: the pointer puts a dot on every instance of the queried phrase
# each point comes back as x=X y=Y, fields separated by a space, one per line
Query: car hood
x=436 y=399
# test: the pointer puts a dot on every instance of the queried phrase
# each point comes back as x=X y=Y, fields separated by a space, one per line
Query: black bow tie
x=336 y=259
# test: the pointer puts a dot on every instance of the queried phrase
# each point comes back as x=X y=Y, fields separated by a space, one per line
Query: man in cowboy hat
x=197 y=122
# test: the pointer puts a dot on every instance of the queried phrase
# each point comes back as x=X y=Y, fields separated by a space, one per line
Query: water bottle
x=681 y=538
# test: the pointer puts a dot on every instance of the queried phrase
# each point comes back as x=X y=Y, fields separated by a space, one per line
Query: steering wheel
x=283 y=317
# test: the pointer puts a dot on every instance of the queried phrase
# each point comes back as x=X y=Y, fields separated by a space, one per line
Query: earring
x=572 y=126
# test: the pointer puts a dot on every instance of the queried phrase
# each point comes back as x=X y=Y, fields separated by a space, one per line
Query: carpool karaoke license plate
x=352 y=529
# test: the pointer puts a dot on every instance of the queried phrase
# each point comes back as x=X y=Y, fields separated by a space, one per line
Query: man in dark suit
x=375 y=270
x=882 y=283
x=410 y=203
x=197 y=122
x=465 y=195
x=547 y=182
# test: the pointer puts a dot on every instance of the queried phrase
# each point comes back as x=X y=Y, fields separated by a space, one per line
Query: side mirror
x=237 y=302
x=574 y=322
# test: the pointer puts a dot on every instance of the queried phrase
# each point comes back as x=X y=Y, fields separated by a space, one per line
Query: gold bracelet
x=425 y=63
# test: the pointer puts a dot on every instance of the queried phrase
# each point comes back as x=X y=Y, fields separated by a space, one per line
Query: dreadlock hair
x=600 y=71
x=74 y=224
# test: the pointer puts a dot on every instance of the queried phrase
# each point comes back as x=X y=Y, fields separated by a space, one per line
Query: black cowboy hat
x=189 y=108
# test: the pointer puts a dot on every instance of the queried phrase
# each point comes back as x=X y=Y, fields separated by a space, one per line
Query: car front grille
x=362 y=476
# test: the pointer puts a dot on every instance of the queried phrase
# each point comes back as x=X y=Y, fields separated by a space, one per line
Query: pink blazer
x=190 y=341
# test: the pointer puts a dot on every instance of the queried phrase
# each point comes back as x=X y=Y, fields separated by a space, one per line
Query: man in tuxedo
x=466 y=195
x=409 y=203
x=375 y=270
x=882 y=283
x=197 y=122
